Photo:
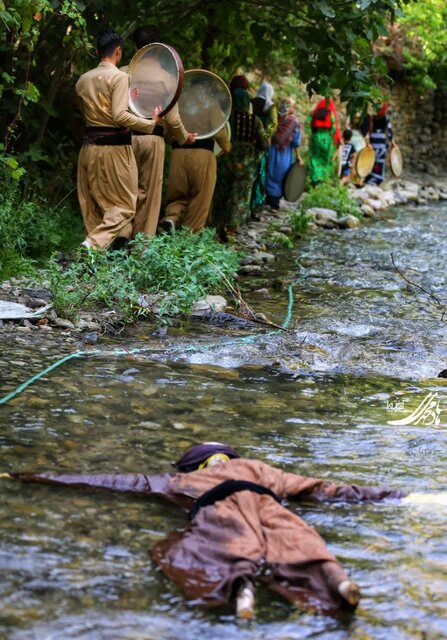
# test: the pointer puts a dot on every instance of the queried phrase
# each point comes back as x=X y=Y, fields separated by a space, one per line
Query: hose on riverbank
x=121 y=352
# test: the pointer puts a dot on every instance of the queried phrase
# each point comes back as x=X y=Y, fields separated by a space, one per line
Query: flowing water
x=365 y=350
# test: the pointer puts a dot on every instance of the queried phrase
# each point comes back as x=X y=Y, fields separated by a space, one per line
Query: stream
x=364 y=350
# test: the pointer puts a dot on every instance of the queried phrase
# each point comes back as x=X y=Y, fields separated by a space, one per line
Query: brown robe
x=149 y=152
x=107 y=175
x=192 y=179
x=245 y=535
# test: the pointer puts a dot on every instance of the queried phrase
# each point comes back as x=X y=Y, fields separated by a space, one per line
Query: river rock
x=367 y=211
x=400 y=197
x=248 y=260
x=348 y=222
x=261 y=257
x=327 y=224
x=43 y=294
x=63 y=323
x=210 y=303
x=322 y=215
x=87 y=325
x=251 y=270
x=388 y=198
x=30 y=325
x=263 y=294
x=410 y=191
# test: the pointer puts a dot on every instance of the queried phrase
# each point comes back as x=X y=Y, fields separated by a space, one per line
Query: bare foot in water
x=350 y=592
x=245 y=602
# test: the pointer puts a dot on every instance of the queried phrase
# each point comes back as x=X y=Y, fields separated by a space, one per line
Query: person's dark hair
x=347 y=135
x=107 y=42
x=145 y=35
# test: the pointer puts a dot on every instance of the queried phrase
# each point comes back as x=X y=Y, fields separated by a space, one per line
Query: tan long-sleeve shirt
x=104 y=96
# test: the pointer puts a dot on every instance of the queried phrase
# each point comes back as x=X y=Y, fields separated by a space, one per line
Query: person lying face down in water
x=239 y=532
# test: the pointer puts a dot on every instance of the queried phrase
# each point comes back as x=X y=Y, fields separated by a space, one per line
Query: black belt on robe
x=113 y=136
x=206 y=143
x=227 y=488
x=158 y=131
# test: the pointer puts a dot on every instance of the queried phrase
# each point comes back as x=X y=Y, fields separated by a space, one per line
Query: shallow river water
x=364 y=350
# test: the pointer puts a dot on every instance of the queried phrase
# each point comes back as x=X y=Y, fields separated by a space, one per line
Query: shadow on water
x=316 y=401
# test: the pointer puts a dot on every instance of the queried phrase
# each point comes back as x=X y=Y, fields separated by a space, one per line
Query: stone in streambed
x=251 y=270
x=322 y=215
x=349 y=222
x=206 y=305
x=63 y=323
x=261 y=257
x=368 y=211
x=263 y=294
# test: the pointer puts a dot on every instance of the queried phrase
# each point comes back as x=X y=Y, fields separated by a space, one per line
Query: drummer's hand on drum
x=134 y=93
x=156 y=114
x=191 y=138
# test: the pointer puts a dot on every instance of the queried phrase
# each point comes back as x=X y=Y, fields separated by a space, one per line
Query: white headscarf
x=267 y=92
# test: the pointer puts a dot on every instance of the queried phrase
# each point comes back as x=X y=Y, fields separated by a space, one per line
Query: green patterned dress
x=321 y=153
x=236 y=174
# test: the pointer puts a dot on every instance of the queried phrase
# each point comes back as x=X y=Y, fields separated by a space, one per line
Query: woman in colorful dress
x=324 y=138
x=379 y=133
x=236 y=171
x=283 y=148
x=264 y=108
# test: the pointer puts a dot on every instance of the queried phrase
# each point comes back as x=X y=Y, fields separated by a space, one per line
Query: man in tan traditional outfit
x=107 y=172
x=239 y=531
x=192 y=173
x=149 y=149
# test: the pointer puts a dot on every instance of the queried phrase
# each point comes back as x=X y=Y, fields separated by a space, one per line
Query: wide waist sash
x=206 y=143
x=226 y=489
x=113 y=136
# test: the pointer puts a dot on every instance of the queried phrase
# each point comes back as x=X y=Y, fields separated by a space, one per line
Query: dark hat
x=191 y=460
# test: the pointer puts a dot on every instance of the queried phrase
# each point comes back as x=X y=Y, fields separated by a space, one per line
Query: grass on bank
x=331 y=195
x=162 y=276
x=31 y=230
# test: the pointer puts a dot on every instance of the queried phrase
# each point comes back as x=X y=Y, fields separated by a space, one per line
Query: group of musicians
x=120 y=170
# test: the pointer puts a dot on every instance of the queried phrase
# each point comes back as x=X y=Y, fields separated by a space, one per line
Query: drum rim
x=180 y=71
x=369 y=150
x=303 y=169
x=220 y=153
x=394 y=151
x=211 y=73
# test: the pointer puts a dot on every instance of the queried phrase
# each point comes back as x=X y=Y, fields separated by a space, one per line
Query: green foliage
x=331 y=196
x=423 y=34
x=31 y=230
x=164 y=275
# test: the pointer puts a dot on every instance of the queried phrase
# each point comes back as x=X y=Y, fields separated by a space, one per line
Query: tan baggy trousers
x=191 y=182
x=107 y=192
x=149 y=154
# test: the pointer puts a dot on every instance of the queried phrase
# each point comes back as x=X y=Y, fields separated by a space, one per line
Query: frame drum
x=205 y=103
x=364 y=164
x=295 y=182
x=156 y=79
x=396 y=161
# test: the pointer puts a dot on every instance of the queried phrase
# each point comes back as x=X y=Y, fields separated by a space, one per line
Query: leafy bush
x=331 y=196
x=30 y=231
x=168 y=273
